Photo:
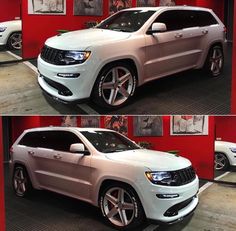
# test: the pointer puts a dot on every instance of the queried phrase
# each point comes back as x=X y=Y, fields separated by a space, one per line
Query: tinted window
x=57 y=140
x=206 y=19
x=180 y=19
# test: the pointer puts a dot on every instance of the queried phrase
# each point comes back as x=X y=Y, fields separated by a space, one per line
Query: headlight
x=161 y=178
x=75 y=57
x=2 y=28
x=233 y=149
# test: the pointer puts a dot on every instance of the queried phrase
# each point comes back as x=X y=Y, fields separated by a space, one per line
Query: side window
x=206 y=19
x=30 y=139
x=59 y=140
x=172 y=20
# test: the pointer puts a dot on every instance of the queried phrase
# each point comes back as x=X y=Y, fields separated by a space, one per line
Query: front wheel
x=115 y=85
x=221 y=161
x=215 y=61
x=15 y=41
x=121 y=207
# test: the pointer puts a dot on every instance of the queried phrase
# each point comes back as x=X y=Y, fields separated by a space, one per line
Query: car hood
x=154 y=160
x=82 y=39
x=11 y=23
x=224 y=143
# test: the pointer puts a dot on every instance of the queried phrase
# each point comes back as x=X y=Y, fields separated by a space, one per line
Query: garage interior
x=189 y=92
x=217 y=188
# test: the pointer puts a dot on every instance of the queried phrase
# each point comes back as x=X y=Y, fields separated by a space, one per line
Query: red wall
x=226 y=128
x=199 y=149
x=9 y=9
x=2 y=209
x=233 y=102
x=37 y=28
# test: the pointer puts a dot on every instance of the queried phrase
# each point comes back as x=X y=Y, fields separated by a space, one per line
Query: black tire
x=14 y=41
x=136 y=214
x=124 y=90
x=20 y=177
x=214 y=65
x=225 y=162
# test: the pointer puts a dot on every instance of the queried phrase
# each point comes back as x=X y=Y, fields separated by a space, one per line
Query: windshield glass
x=127 y=21
x=109 y=142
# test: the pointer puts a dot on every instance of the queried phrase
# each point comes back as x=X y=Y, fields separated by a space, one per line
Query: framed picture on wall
x=144 y=3
x=69 y=121
x=51 y=7
x=167 y=2
x=148 y=125
x=88 y=7
x=189 y=125
x=117 y=123
x=117 y=5
x=90 y=121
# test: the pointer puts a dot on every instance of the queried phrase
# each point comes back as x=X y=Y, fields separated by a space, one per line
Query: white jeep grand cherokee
x=106 y=169
x=128 y=49
x=225 y=155
x=10 y=34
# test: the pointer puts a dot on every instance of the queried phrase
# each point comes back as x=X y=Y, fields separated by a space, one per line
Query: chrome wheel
x=117 y=86
x=221 y=161
x=20 y=181
x=216 y=61
x=119 y=207
x=15 y=41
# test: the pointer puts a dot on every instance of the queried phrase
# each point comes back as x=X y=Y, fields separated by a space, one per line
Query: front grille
x=174 y=210
x=183 y=176
x=62 y=90
x=52 y=55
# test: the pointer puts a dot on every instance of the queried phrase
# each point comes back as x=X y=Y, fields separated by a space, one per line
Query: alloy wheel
x=117 y=86
x=20 y=181
x=119 y=207
x=216 y=61
x=220 y=161
x=16 y=41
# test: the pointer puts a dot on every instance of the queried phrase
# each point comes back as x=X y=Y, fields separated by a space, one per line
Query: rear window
x=56 y=140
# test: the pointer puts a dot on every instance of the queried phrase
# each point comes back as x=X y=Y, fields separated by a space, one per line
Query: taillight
x=11 y=151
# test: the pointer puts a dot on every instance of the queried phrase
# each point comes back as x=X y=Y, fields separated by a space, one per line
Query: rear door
x=56 y=168
x=178 y=48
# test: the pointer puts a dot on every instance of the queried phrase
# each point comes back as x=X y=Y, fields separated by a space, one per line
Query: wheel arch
x=224 y=153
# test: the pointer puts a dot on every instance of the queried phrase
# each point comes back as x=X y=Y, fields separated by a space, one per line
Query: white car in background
x=106 y=169
x=10 y=34
x=225 y=155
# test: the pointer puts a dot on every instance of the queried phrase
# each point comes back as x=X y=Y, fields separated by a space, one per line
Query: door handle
x=179 y=35
x=57 y=156
x=205 y=31
x=31 y=153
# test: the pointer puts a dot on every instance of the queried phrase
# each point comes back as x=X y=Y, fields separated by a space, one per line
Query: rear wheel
x=21 y=182
x=15 y=41
x=221 y=161
x=121 y=207
x=215 y=61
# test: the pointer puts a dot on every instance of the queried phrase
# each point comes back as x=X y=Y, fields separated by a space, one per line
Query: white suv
x=225 y=155
x=10 y=34
x=128 y=49
x=106 y=169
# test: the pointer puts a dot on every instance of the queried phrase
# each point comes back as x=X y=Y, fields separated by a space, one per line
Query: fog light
x=167 y=196
x=68 y=75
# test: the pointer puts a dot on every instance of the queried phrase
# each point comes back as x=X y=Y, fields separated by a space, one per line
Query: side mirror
x=157 y=27
x=79 y=148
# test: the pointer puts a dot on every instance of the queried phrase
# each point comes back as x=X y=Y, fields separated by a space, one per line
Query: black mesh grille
x=53 y=56
x=183 y=176
x=174 y=210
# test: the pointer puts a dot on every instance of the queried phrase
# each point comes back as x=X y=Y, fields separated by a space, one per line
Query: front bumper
x=156 y=209
x=66 y=90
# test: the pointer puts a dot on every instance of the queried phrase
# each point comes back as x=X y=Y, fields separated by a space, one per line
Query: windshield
x=109 y=142
x=126 y=21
